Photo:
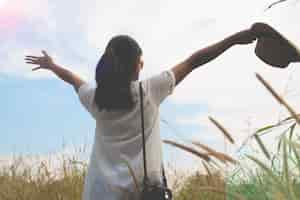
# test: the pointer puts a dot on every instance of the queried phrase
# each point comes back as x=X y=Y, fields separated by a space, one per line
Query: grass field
x=273 y=176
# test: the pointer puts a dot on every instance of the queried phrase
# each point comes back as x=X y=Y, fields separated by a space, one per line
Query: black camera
x=157 y=192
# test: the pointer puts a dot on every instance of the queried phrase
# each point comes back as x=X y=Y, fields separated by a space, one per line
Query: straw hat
x=273 y=48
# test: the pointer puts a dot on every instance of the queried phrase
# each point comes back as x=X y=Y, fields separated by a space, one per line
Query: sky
x=40 y=114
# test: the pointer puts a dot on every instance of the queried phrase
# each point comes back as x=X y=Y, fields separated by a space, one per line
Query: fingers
x=36 y=68
x=36 y=60
x=34 y=57
x=32 y=61
x=45 y=53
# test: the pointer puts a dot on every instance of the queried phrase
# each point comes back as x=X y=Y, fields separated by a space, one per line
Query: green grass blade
x=292 y=128
x=279 y=144
x=262 y=146
x=265 y=129
x=277 y=182
x=297 y=156
x=286 y=174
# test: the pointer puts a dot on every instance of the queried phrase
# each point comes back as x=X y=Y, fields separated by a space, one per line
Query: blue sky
x=45 y=116
x=40 y=113
x=40 y=116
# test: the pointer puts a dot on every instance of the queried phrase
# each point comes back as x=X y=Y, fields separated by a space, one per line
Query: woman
x=114 y=104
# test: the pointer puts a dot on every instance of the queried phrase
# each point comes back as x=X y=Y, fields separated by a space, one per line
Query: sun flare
x=2 y=3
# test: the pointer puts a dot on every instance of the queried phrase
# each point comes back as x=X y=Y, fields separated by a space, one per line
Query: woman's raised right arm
x=209 y=53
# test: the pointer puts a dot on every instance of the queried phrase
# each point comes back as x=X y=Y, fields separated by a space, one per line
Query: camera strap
x=146 y=178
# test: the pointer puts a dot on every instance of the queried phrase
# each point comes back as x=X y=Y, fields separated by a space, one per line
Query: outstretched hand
x=44 y=62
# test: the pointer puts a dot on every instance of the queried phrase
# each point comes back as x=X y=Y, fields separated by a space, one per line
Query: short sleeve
x=161 y=85
x=86 y=95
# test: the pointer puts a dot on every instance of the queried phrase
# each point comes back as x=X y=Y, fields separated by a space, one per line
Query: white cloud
x=228 y=87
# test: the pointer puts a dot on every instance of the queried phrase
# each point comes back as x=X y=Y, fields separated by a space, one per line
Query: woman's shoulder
x=159 y=86
x=86 y=94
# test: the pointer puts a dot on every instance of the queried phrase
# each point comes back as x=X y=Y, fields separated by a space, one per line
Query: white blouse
x=118 y=139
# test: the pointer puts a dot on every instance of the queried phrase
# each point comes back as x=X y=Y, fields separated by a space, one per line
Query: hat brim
x=273 y=48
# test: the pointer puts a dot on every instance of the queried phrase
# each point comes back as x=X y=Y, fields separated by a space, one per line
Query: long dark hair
x=114 y=73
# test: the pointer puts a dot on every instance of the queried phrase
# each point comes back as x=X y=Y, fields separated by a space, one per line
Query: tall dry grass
x=18 y=181
x=276 y=178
